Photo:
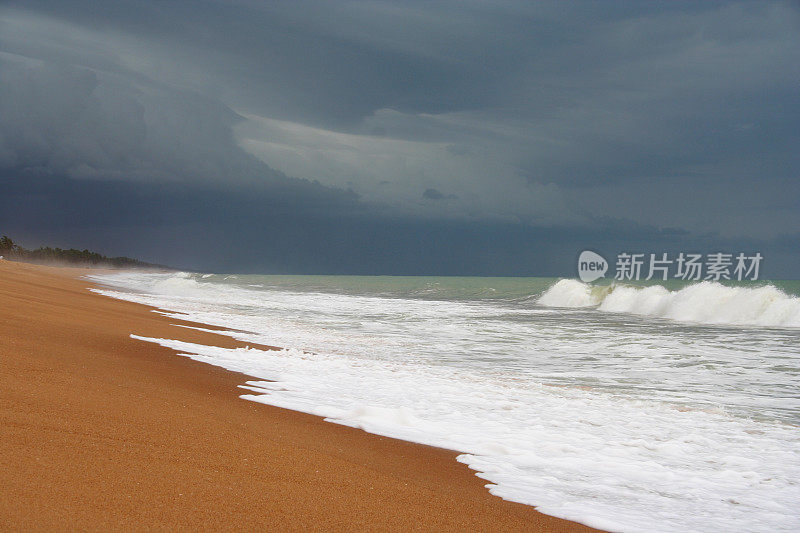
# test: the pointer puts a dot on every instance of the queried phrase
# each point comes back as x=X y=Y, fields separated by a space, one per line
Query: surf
x=705 y=302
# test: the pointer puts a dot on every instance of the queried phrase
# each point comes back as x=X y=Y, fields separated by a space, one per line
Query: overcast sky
x=424 y=137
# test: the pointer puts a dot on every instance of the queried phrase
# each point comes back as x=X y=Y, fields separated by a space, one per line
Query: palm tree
x=6 y=244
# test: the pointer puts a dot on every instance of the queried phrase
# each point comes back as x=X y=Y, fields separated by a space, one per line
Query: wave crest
x=705 y=302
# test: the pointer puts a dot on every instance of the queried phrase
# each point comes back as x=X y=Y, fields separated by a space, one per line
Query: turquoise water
x=446 y=287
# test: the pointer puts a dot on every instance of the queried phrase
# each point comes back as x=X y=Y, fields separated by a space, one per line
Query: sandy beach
x=100 y=431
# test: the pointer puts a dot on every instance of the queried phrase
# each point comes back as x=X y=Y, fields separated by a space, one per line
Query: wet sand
x=101 y=431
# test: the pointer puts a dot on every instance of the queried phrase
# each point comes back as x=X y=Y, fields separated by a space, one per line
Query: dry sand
x=100 y=432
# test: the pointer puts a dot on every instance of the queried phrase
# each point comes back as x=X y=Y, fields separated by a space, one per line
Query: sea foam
x=705 y=302
x=607 y=462
x=626 y=425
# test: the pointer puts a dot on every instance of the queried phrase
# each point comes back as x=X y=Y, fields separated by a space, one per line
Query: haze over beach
x=391 y=265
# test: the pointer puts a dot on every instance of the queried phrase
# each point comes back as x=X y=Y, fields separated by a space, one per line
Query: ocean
x=628 y=407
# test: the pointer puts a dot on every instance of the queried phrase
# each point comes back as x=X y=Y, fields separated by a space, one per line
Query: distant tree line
x=11 y=250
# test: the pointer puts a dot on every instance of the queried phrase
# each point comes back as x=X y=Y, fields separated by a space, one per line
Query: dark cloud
x=539 y=115
x=275 y=231
x=435 y=194
x=95 y=124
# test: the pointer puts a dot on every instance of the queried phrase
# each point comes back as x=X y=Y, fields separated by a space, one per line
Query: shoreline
x=103 y=431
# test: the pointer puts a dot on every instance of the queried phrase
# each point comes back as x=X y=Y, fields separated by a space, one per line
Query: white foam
x=705 y=302
x=652 y=428
x=572 y=293
x=603 y=461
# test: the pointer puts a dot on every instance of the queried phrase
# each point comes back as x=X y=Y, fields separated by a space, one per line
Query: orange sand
x=102 y=432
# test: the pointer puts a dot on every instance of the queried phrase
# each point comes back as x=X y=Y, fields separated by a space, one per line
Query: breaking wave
x=705 y=302
x=626 y=425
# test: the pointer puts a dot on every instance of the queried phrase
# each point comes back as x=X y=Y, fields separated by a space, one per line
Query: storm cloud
x=422 y=137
